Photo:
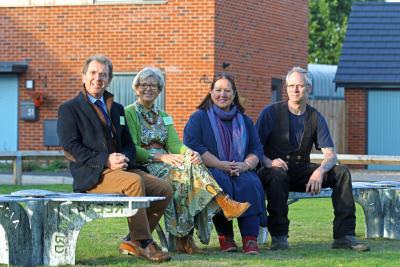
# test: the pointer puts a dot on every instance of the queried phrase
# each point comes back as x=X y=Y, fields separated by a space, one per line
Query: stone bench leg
x=64 y=221
x=15 y=235
x=35 y=214
x=391 y=212
x=369 y=199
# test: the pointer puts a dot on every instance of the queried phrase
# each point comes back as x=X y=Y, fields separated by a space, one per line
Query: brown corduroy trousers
x=137 y=183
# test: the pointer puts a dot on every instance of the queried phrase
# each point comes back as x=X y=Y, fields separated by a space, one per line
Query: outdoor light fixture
x=29 y=84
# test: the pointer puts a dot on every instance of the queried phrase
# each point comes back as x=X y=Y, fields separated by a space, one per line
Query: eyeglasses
x=295 y=86
x=152 y=86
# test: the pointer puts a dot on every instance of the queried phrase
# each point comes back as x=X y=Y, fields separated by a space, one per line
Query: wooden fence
x=335 y=115
x=18 y=156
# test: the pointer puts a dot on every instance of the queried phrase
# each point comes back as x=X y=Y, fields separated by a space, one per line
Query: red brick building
x=369 y=70
x=257 y=41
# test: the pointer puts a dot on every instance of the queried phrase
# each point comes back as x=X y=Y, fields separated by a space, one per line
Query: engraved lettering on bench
x=97 y=208
x=7 y=213
x=81 y=208
x=59 y=243
x=119 y=208
x=16 y=223
x=100 y=208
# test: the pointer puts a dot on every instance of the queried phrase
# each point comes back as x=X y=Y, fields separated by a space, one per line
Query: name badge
x=167 y=120
x=121 y=120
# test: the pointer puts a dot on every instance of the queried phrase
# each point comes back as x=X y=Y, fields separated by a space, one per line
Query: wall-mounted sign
x=28 y=111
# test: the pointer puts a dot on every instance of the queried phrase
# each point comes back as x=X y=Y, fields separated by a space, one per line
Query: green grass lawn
x=310 y=239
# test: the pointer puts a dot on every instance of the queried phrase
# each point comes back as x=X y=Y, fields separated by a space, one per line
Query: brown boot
x=231 y=208
x=180 y=243
x=186 y=245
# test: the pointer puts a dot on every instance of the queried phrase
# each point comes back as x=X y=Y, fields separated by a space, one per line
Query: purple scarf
x=231 y=146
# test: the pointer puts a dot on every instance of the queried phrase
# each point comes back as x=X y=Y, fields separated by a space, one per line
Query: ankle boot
x=250 y=245
x=186 y=245
x=180 y=244
x=231 y=208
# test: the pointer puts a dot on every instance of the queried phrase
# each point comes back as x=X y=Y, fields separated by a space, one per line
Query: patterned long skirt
x=191 y=207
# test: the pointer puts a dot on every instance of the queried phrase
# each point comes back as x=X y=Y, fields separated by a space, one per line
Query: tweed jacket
x=83 y=135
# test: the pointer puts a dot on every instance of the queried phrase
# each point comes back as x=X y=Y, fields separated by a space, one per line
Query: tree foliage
x=327 y=27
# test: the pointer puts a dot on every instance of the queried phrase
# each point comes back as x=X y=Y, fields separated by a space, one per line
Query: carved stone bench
x=380 y=202
x=39 y=227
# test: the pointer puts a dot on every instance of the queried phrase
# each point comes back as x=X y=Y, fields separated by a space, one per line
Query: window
x=276 y=90
x=121 y=88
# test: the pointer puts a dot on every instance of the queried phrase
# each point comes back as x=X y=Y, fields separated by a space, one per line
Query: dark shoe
x=349 y=242
x=227 y=243
x=186 y=245
x=231 y=208
x=152 y=252
x=250 y=245
x=279 y=242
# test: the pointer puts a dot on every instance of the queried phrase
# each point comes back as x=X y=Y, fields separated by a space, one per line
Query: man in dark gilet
x=95 y=138
x=288 y=130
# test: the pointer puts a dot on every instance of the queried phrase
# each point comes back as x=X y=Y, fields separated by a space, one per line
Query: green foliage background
x=327 y=27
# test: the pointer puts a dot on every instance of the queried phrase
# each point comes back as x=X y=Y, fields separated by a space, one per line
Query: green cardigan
x=173 y=145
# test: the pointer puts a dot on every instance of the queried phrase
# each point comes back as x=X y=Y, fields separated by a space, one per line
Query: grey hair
x=307 y=76
x=149 y=73
x=101 y=59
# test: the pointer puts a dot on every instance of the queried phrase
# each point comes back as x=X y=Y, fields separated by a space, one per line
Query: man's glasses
x=295 y=86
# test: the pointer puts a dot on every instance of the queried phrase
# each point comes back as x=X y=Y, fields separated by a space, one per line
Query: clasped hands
x=234 y=168
x=117 y=161
x=178 y=159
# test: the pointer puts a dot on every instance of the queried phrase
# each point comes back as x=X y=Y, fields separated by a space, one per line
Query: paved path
x=357 y=175
x=38 y=179
x=372 y=176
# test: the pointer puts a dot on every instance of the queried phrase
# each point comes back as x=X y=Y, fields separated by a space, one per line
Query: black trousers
x=278 y=183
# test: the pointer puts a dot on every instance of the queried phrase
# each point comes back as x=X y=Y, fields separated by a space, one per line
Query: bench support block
x=55 y=230
x=15 y=235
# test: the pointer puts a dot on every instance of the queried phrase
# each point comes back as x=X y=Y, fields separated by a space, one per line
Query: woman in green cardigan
x=159 y=149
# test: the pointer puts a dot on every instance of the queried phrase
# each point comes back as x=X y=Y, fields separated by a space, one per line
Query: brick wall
x=261 y=40
x=356 y=114
x=188 y=39
x=177 y=36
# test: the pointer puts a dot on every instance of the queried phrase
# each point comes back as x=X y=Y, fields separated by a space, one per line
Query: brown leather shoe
x=128 y=248
x=231 y=208
x=152 y=252
x=186 y=245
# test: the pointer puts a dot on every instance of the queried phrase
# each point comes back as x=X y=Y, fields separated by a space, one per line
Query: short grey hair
x=149 y=73
x=307 y=76
x=102 y=60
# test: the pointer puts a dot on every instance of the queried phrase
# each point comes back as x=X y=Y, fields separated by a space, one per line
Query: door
x=9 y=111
x=383 y=125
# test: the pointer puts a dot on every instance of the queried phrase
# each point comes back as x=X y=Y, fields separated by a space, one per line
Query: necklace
x=149 y=117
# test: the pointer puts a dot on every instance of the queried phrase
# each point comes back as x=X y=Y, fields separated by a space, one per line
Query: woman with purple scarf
x=229 y=146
